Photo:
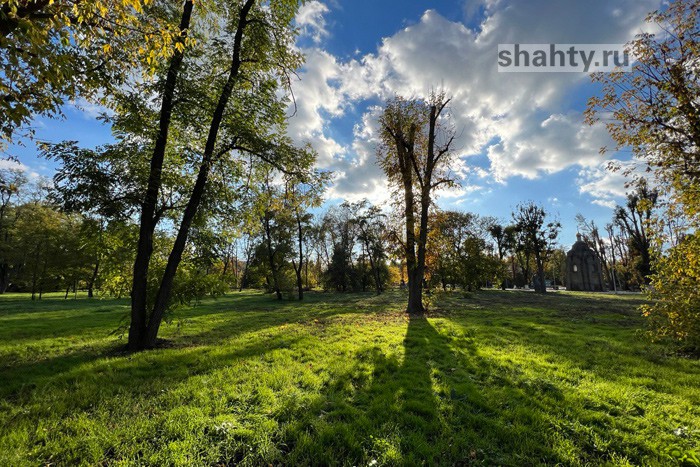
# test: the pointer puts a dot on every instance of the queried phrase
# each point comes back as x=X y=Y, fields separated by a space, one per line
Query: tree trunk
x=415 y=300
x=4 y=282
x=297 y=270
x=541 y=287
x=300 y=282
x=93 y=279
x=227 y=260
x=166 y=285
x=137 y=328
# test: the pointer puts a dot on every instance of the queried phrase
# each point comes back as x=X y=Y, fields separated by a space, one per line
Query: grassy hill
x=506 y=378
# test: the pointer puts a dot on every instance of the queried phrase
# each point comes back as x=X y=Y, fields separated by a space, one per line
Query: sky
x=521 y=135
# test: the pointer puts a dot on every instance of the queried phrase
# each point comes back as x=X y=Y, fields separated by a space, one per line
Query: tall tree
x=302 y=193
x=655 y=110
x=415 y=155
x=371 y=234
x=500 y=235
x=235 y=81
x=139 y=327
x=591 y=235
x=340 y=226
x=635 y=218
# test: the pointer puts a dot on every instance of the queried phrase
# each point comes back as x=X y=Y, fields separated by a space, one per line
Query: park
x=310 y=232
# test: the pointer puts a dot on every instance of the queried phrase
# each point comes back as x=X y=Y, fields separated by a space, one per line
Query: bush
x=675 y=312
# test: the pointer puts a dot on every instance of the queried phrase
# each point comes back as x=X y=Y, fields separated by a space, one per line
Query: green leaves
x=54 y=51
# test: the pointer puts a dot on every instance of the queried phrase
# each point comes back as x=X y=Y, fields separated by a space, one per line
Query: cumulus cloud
x=13 y=165
x=523 y=122
x=311 y=20
x=609 y=187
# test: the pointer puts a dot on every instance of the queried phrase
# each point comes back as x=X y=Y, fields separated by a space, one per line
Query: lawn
x=497 y=378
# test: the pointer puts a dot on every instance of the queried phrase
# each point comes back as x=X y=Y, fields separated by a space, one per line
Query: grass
x=501 y=378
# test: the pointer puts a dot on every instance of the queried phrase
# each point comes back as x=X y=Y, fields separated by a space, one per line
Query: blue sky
x=522 y=134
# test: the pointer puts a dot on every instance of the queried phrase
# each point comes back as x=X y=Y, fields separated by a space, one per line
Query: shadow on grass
x=207 y=326
x=426 y=408
x=442 y=395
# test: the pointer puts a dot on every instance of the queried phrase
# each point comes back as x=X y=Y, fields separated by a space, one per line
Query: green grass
x=507 y=378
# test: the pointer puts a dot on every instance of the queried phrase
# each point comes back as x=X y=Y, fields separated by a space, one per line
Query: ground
x=506 y=378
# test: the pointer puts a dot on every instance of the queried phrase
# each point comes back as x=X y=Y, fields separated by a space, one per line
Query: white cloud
x=523 y=122
x=11 y=164
x=609 y=187
x=311 y=20
x=90 y=110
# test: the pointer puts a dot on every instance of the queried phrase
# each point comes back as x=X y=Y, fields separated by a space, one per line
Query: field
x=497 y=378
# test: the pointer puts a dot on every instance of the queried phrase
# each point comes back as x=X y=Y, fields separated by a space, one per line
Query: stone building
x=583 y=271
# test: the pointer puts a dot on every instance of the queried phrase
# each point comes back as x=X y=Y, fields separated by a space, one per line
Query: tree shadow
x=206 y=328
x=426 y=407
x=435 y=395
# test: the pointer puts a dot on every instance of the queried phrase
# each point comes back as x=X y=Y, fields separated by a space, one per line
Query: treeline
x=62 y=236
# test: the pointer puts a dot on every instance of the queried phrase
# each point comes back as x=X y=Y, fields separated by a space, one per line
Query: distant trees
x=459 y=253
x=634 y=219
x=415 y=155
x=354 y=235
x=372 y=233
x=536 y=237
x=301 y=194
x=11 y=182
x=625 y=248
x=45 y=249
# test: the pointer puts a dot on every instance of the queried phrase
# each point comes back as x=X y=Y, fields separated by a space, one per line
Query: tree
x=591 y=235
x=415 y=156
x=655 y=110
x=237 y=95
x=499 y=233
x=340 y=226
x=11 y=182
x=277 y=230
x=536 y=236
x=302 y=193
x=141 y=327
x=371 y=234
x=675 y=311
x=635 y=219
x=459 y=250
